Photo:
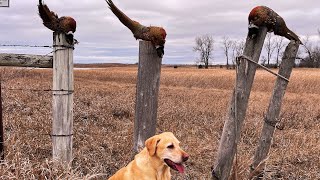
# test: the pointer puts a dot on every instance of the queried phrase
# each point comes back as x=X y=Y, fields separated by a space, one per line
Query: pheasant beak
x=69 y=37
x=251 y=25
x=253 y=29
x=70 y=33
x=160 y=50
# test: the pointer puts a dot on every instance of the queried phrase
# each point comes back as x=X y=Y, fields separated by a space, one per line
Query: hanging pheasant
x=264 y=16
x=156 y=35
x=64 y=24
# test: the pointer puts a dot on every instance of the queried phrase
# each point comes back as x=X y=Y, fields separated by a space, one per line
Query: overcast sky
x=104 y=39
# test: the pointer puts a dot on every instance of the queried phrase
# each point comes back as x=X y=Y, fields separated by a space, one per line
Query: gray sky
x=104 y=39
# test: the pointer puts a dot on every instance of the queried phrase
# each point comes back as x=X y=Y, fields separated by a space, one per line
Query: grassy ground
x=192 y=104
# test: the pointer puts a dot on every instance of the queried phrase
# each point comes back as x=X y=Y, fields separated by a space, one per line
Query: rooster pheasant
x=264 y=16
x=64 y=24
x=157 y=35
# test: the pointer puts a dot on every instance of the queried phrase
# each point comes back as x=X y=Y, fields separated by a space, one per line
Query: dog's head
x=166 y=147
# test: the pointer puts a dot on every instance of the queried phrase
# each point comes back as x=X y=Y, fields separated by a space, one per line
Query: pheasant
x=264 y=16
x=64 y=24
x=157 y=35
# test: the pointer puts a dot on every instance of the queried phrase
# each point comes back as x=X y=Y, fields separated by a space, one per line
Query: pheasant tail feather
x=125 y=20
x=49 y=18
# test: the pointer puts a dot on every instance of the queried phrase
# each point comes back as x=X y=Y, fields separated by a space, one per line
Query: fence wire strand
x=24 y=45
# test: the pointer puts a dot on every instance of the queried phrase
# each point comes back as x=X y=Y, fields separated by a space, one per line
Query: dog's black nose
x=185 y=157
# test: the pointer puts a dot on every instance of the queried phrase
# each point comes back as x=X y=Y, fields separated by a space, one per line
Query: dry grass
x=192 y=104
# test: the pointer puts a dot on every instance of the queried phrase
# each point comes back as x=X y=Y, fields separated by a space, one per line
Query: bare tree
x=269 y=47
x=240 y=47
x=204 y=45
x=306 y=54
x=279 y=45
x=309 y=56
x=237 y=49
x=227 y=44
x=308 y=49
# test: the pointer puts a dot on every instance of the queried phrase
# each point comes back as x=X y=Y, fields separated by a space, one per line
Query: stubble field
x=192 y=105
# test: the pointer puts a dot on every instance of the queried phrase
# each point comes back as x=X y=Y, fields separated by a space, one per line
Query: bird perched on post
x=264 y=16
x=157 y=35
x=64 y=24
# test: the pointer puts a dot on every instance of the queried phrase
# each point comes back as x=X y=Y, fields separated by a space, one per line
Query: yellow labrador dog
x=161 y=153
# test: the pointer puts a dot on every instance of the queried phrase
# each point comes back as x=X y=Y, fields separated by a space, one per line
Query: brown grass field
x=192 y=104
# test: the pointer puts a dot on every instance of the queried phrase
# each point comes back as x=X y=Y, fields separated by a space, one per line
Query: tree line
x=274 y=46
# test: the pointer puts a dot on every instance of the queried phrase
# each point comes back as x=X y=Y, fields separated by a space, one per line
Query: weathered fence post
x=271 y=118
x=147 y=94
x=25 y=60
x=238 y=106
x=1 y=129
x=62 y=99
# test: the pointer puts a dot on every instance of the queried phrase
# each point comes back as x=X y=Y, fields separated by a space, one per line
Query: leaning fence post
x=238 y=106
x=148 y=83
x=271 y=118
x=62 y=99
x=1 y=129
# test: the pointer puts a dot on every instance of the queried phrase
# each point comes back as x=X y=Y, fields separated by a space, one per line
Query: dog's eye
x=171 y=146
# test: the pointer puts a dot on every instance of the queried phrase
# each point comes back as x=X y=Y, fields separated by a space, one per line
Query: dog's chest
x=163 y=174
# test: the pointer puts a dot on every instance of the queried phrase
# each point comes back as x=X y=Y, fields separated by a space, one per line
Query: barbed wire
x=21 y=45
x=67 y=92
x=36 y=90
x=25 y=45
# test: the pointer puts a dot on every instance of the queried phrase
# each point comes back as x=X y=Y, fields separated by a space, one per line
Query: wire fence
x=11 y=76
x=24 y=45
x=29 y=46
x=5 y=89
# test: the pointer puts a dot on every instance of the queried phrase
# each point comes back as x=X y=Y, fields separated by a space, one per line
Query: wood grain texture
x=26 y=60
x=62 y=100
x=238 y=106
x=1 y=129
x=147 y=94
x=273 y=112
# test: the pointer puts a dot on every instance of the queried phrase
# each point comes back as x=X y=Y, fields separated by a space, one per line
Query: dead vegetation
x=192 y=105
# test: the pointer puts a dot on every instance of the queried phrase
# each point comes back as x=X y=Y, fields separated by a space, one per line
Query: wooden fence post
x=1 y=130
x=271 y=118
x=147 y=94
x=62 y=99
x=238 y=106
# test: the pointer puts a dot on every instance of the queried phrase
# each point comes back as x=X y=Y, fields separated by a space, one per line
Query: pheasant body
x=157 y=35
x=64 y=24
x=264 y=16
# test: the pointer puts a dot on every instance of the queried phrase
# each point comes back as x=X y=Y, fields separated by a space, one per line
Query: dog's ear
x=151 y=145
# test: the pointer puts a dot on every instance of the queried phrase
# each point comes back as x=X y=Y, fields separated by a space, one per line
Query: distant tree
x=269 y=46
x=263 y=60
x=233 y=50
x=309 y=56
x=237 y=48
x=240 y=47
x=204 y=45
x=279 y=45
x=227 y=44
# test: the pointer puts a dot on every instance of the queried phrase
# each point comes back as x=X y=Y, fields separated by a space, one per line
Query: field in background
x=192 y=104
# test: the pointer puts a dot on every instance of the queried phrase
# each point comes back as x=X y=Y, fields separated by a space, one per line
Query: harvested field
x=192 y=104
